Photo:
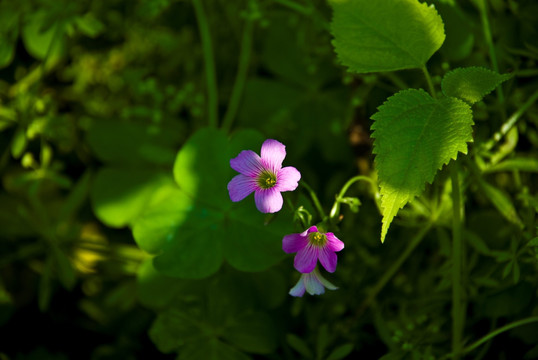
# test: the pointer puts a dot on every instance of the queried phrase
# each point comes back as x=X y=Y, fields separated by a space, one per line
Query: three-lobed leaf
x=471 y=83
x=192 y=226
x=385 y=35
x=414 y=136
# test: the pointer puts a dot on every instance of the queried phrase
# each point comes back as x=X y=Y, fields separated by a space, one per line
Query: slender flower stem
x=209 y=60
x=394 y=268
x=457 y=254
x=241 y=77
x=429 y=81
x=351 y=181
x=315 y=199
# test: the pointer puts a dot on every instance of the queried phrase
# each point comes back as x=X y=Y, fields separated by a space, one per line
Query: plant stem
x=492 y=334
x=499 y=331
x=457 y=254
x=394 y=267
x=491 y=48
x=315 y=200
x=429 y=81
x=509 y=124
x=211 y=78
x=241 y=77
x=351 y=181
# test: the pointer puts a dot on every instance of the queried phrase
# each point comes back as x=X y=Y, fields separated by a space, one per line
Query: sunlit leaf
x=119 y=195
x=385 y=35
x=415 y=135
x=471 y=83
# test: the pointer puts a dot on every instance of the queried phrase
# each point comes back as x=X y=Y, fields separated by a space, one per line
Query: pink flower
x=264 y=176
x=310 y=246
x=313 y=283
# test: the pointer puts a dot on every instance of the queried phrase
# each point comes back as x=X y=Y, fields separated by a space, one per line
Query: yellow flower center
x=317 y=239
x=266 y=180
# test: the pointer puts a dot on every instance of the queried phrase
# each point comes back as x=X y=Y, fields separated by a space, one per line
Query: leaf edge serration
x=462 y=147
x=351 y=68
x=501 y=78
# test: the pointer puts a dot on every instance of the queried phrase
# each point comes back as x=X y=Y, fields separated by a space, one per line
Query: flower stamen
x=317 y=239
x=266 y=180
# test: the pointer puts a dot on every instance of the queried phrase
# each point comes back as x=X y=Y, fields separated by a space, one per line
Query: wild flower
x=263 y=175
x=313 y=283
x=310 y=246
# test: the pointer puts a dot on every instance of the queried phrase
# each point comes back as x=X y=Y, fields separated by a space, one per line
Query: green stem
x=394 y=268
x=491 y=48
x=315 y=200
x=241 y=77
x=499 y=331
x=457 y=255
x=494 y=333
x=351 y=181
x=429 y=81
x=509 y=124
x=209 y=60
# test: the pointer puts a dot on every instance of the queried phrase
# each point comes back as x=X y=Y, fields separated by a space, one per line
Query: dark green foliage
x=118 y=239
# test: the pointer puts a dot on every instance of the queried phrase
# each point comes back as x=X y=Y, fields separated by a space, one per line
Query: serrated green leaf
x=472 y=83
x=385 y=35
x=502 y=202
x=414 y=136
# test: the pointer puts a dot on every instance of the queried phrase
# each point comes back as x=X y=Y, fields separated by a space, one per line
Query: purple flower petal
x=298 y=289
x=333 y=243
x=268 y=200
x=306 y=259
x=247 y=163
x=273 y=153
x=288 y=179
x=240 y=187
x=328 y=259
x=294 y=242
x=311 y=229
x=313 y=285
